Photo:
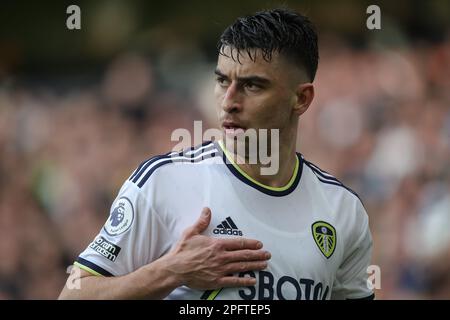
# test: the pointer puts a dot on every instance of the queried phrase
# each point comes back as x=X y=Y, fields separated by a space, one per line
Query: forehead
x=232 y=65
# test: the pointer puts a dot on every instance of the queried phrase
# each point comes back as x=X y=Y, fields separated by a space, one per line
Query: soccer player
x=201 y=225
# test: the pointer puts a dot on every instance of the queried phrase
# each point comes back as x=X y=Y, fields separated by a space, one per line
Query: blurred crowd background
x=79 y=110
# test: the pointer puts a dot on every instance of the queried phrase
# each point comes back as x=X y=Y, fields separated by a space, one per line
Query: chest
x=303 y=264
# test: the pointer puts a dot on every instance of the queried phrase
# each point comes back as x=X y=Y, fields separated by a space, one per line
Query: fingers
x=236 y=282
x=234 y=267
x=200 y=225
x=241 y=244
x=247 y=255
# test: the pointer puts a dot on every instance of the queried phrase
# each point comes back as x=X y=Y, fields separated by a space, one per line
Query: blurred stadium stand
x=79 y=110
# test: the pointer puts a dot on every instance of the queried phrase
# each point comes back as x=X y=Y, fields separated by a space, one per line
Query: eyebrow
x=256 y=79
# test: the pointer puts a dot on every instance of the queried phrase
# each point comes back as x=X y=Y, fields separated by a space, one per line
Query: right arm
x=197 y=261
x=152 y=281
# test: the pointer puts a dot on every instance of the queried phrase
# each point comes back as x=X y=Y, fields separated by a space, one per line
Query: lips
x=233 y=127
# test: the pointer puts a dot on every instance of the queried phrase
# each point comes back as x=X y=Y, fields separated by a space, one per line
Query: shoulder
x=201 y=154
x=329 y=182
x=345 y=204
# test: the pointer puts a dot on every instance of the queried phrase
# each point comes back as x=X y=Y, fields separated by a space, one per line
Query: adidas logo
x=227 y=227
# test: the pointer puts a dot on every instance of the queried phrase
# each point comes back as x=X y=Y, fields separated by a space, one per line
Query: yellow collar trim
x=242 y=172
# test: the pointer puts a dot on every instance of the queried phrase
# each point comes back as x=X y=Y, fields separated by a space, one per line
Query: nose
x=231 y=101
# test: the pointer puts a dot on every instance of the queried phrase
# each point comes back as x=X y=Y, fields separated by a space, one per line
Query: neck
x=287 y=160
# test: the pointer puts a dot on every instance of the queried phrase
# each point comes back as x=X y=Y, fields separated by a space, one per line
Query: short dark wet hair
x=279 y=30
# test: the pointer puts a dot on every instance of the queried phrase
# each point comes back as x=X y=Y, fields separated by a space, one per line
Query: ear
x=304 y=97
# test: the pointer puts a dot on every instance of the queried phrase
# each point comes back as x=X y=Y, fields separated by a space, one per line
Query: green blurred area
x=34 y=37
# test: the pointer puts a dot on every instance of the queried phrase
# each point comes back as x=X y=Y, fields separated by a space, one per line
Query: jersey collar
x=244 y=177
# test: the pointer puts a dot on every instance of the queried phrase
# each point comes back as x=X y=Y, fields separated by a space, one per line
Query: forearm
x=152 y=281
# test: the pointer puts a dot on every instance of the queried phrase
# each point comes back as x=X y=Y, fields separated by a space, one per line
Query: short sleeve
x=132 y=236
x=351 y=278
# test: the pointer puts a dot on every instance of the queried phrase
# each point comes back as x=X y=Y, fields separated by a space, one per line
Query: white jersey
x=316 y=229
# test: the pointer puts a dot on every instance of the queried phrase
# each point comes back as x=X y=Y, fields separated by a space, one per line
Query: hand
x=204 y=263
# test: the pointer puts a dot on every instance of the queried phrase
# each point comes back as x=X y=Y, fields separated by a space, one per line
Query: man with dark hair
x=274 y=32
x=314 y=230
